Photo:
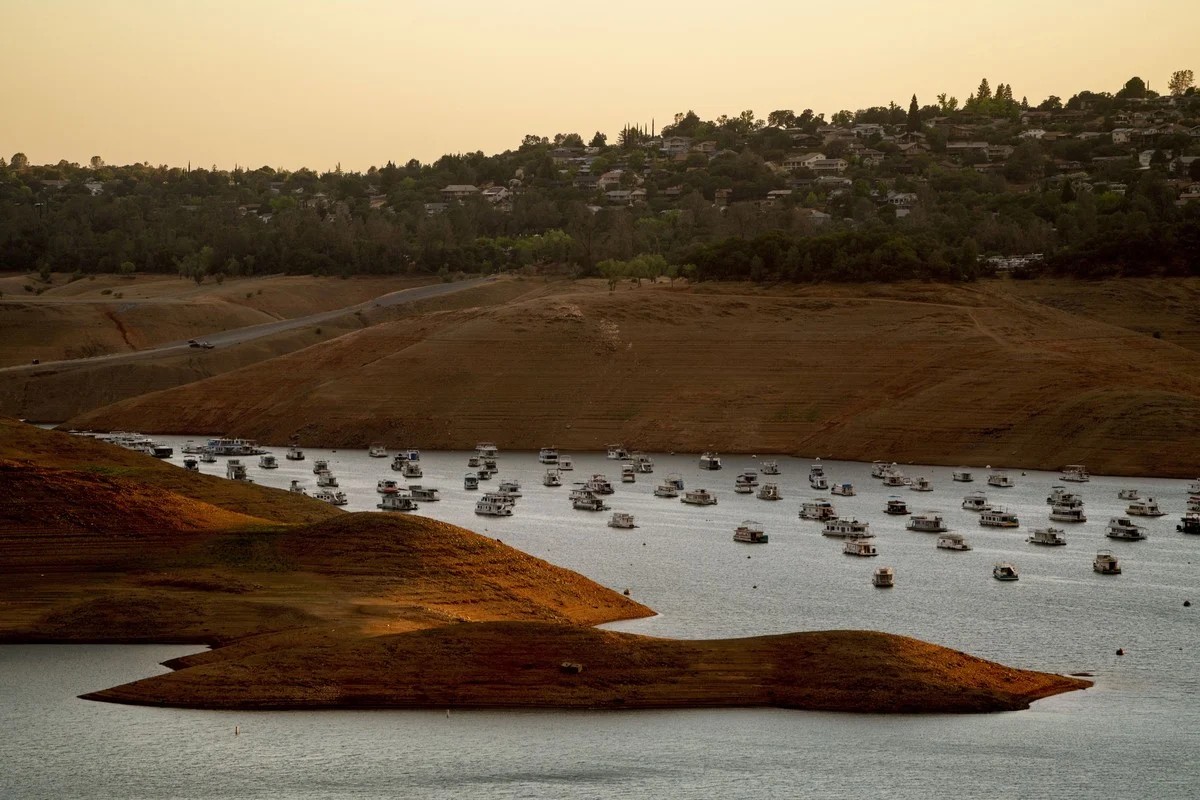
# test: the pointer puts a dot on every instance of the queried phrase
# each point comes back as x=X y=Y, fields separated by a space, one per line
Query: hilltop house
x=675 y=145
x=458 y=191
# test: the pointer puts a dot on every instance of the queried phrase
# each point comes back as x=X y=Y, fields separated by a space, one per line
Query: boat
x=267 y=461
x=161 y=451
x=191 y=463
x=1005 y=571
x=1067 y=513
x=1000 y=480
x=1075 y=473
x=819 y=509
x=742 y=486
x=585 y=500
x=400 y=459
x=235 y=470
x=552 y=478
x=1061 y=496
x=1144 y=508
x=484 y=474
x=769 y=467
x=377 y=450
x=1189 y=523
x=881 y=469
x=676 y=480
x=397 y=502
x=565 y=464
x=412 y=469
x=208 y=457
x=387 y=486
x=1123 y=528
x=769 y=491
x=816 y=476
x=326 y=479
x=1047 y=536
x=548 y=455
x=190 y=448
x=599 y=485
x=895 y=479
x=643 y=463
x=1106 y=563
x=698 y=497
x=470 y=481
x=976 y=501
x=617 y=452
x=628 y=473
x=963 y=476
x=489 y=462
x=333 y=498
x=509 y=489
x=425 y=493
x=928 y=522
x=843 y=489
x=319 y=466
x=487 y=450
x=921 y=484
x=494 y=505
x=710 y=461
x=473 y=461
x=294 y=453
x=999 y=518
x=751 y=475
x=410 y=453
x=234 y=447
x=952 y=541
x=1193 y=503
x=295 y=488
x=884 y=577
x=896 y=507
x=750 y=532
x=666 y=490
x=1129 y=494
x=843 y=528
x=621 y=520
x=859 y=546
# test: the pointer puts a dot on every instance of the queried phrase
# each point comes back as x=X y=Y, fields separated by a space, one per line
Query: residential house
x=707 y=148
x=1123 y=135
x=619 y=197
x=867 y=130
x=722 y=197
x=804 y=161
x=870 y=157
x=777 y=195
x=610 y=179
x=913 y=149
x=1190 y=194
x=829 y=166
x=902 y=199
x=495 y=194
x=1033 y=133
x=962 y=148
x=814 y=216
x=459 y=191
x=674 y=145
x=999 y=152
x=433 y=209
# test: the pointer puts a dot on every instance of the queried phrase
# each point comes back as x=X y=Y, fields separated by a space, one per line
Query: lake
x=1133 y=735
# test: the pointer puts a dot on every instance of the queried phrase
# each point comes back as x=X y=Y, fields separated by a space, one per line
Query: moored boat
x=628 y=473
x=548 y=455
x=999 y=518
x=585 y=500
x=928 y=522
x=769 y=491
x=377 y=450
x=710 y=460
x=471 y=481
x=1129 y=494
x=510 y=489
x=319 y=466
x=952 y=541
x=769 y=467
x=676 y=480
x=964 y=476
x=1189 y=523
x=976 y=501
x=844 y=528
x=412 y=469
x=294 y=453
x=425 y=493
x=565 y=464
x=843 y=489
x=921 y=484
x=896 y=507
x=235 y=470
x=1000 y=480
x=621 y=520
x=858 y=546
x=818 y=509
x=387 y=486
x=881 y=469
x=1076 y=473
x=397 y=502
x=1048 y=536
x=487 y=450
x=208 y=457
x=666 y=490
x=884 y=577
x=698 y=497
x=617 y=452
x=1123 y=528
x=750 y=532
x=552 y=477
x=643 y=463
x=327 y=480
x=895 y=478
x=494 y=505
x=295 y=487
x=331 y=497
x=267 y=461
x=1106 y=563
x=1144 y=508
x=816 y=476
x=742 y=486
x=1067 y=513
x=599 y=485
x=191 y=463
x=1005 y=571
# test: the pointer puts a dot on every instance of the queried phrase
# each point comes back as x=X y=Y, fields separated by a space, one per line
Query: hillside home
x=1033 y=133
x=722 y=197
x=804 y=161
x=458 y=191
x=867 y=130
x=776 y=195
x=619 y=196
x=495 y=194
x=673 y=145
x=707 y=148
x=829 y=166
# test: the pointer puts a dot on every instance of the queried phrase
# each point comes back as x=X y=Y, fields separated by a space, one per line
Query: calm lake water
x=1135 y=734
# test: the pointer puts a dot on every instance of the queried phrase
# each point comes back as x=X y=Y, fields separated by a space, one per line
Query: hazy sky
x=316 y=82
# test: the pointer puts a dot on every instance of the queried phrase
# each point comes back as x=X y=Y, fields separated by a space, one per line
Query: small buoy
x=1187 y=603
x=1120 y=651
x=627 y=593
x=756 y=586
x=236 y=732
x=747 y=556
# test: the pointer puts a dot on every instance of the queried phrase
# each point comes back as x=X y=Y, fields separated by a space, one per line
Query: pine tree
x=914 y=115
x=984 y=92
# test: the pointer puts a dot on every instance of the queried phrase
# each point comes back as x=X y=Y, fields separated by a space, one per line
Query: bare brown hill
x=911 y=372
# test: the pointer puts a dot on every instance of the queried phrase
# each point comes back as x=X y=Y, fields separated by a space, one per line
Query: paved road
x=249 y=333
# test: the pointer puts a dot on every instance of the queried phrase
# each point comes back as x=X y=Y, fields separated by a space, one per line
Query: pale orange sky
x=313 y=82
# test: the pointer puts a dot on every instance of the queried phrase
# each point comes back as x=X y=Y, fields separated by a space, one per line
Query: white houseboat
x=494 y=505
x=400 y=459
x=895 y=478
x=234 y=447
x=471 y=481
x=698 y=497
x=235 y=470
x=509 y=489
x=599 y=485
x=963 y=476
x=857 y=546
x=751 y=476
x=1106 y=563
x=617 y=452
x=377 y=450
x=1061 y=496
x=628 y=473
x=1144 y=508
x=294 y=453
x=1075 y=473
x=1005 y=571
x=926 y=523
x=427 y=494
x=208 y=457
x=326 y=480
x=191 y=463
x=952 y=541
x=741 y=485
x=921 y=484
x=1064 y=513
x=1123 y=528
x=676 y=480
x=643 y=463
x=412 y=469
x=548 y=455
x=474 y=462
x=487 y=450
x=846 y=527
x=397 y=502
x=584 y=500
x=1048 y=536
x=295 y=488
x=1000 y=480
x=884 y=578
x=818 y=509
x=267 y=461
x=881 y=469
x=387 y=486
x=999 y=518
x=331 y=497
x=816 y=477
x=319 y=466
x=842 y=489
x=1189 y=523
x=565 y=464
x=710 y=461
x=750 y=532
x=666 y=490
x=769 y=491
x=896 y=507
x=552 y=478
x=1129 y=494
x=769 y=467
x=976 y=501
x=621 y=520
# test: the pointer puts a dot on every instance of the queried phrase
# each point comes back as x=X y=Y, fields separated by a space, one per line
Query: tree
x=599 y=140
x=1068 y=192
x=984 y=92
x=1134 y=89
x=947 y=104
x=1181 y=81
x=1051 y=103
x=19 y=161
x=1194 y=170
x=843 y=118
x=96 y=162
x=781 y=119
x=914 y=115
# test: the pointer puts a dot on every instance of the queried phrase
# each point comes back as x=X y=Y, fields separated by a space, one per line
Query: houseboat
x=1193 y=502
x=208 y=457
x=565 y=464
x=485 y=474
x=1005 y=572
x=999 y=518
x=750 y=532
x=628 y=473
x=509 y=489
x=397 y=502
x=295 y=488
x=1123 y=528
x=843 y=528
x=474 y=462
x=410 y=453
x=494 y=505
x=857 y=546
x=926 y=523
x=676 y=480
x=1189 y=523
x=427 y=494
x=1000 y=480
x=883 y=578
x=387 y=486
x=319 y=466
x=881 y=469
x=769 y=491
x=769 y=467
x=377 y=450
x=235 y=470
x=921 y=484
x=618 y=452
x=294 y=453
x=666 y=490
x=1075 y=473
x=1144 y=508
x=816 y=477
x=1129 y=494
x=1048 y=536
x=1063 y=513
x=552 y=478
x=471 y=481
x=742 y=486
x=952 y=541
x=819 y=509
x=487 y=450
x=698 y=497
x=190 y=448
x=326 y=480
x=161 y=451
x=621 y=520
x=643 y=463
x=896 y=507
x=599 y=485
x=234 y=447
x=191 y=463
x=976 y=501
x=489 y=462
x=548 y=455
x=1106 y=563
x=331 y=497
x=710 y=461
x=843 y=489
x=267 y=461
x=584 y=500
x=400 y=459
x=751 y=476
x=412 y=469
x=895 y=478
x=963 y=476
x=1061 y=496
